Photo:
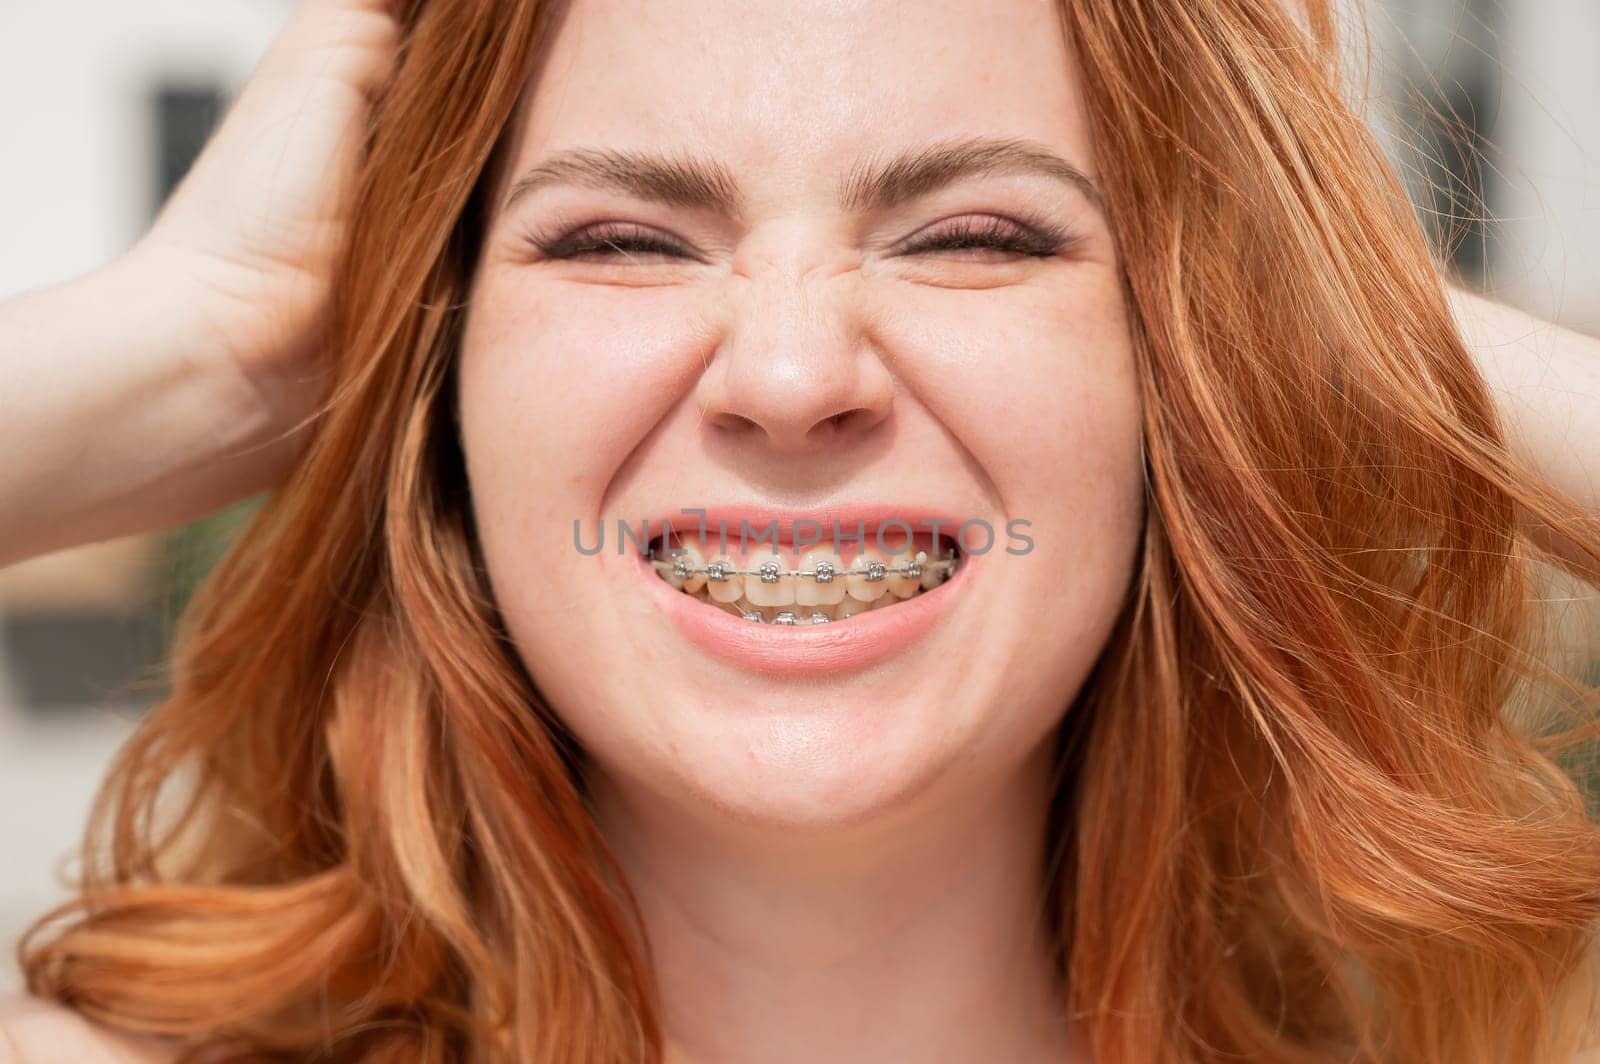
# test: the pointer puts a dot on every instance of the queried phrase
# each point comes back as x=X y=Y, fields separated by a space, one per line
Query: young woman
x=1220 y=733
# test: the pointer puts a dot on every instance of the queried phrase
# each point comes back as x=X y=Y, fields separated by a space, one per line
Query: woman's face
x=791 y=339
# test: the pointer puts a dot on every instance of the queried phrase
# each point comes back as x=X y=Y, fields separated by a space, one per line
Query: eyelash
x=1039 y=240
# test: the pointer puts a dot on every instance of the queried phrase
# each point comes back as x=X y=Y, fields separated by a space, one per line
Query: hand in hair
x=254 y=231
x=172 y=381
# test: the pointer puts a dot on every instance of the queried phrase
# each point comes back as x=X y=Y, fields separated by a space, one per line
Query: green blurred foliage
x=190 y=553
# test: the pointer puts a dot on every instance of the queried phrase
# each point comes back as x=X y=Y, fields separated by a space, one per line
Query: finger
x=351 y=41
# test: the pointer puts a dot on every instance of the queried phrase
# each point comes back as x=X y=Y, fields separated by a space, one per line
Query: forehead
x=801 y=87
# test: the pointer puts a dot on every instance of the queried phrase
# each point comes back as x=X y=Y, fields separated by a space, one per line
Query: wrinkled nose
x=796 y=369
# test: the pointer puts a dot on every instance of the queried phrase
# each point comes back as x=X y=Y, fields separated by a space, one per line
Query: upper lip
x=845 y=518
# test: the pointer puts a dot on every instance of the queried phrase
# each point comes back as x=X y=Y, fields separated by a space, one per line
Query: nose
x=796 y=370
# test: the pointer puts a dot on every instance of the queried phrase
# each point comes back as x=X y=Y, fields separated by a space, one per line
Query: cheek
x=1037 y=384
x=1041 y=389
x=557 y=387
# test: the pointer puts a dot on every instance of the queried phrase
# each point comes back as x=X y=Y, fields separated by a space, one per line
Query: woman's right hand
x=167 y=384
x=252 y=234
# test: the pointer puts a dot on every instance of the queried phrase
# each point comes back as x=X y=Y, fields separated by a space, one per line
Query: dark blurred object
x=72 y=659
x=1449 y=103
x=185 y=115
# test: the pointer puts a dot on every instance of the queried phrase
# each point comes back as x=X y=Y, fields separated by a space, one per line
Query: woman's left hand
x=1546 y=381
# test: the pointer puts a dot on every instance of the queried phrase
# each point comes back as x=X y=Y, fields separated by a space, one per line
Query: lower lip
x=800 y=650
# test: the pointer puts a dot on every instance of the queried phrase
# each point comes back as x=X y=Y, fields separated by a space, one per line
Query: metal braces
x=771 y=572
x=786 y=617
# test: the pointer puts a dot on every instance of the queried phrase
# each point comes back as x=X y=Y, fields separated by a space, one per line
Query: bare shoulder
x=34 y=1031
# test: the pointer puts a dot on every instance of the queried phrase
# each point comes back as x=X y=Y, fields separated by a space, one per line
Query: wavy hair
x=1318 y=799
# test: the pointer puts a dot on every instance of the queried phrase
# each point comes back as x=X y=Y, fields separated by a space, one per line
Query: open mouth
x=821 y=584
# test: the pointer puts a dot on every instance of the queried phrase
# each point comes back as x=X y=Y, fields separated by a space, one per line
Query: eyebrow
x=874 y=184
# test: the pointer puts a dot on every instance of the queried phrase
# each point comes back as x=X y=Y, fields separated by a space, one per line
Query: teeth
x=861 y=587
x=824 y=588
x=814 y=590
x=682 y=575
x=767 y=587
x=729 y=589
x=850 y=607
x=903 y=586
x=691 y=556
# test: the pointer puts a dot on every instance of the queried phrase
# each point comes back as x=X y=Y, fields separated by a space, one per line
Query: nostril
x=732 y=422
x=838 y=422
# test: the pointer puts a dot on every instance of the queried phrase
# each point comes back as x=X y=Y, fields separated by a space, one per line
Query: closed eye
x=991 y=232
x=612 y=240
x=608 y=240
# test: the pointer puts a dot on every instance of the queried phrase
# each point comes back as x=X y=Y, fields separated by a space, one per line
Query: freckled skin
x=999 y=386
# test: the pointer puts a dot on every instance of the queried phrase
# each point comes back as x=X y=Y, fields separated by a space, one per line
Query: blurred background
x=1487 y=107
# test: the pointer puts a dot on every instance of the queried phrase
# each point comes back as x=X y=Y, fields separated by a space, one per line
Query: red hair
x=1309 y=805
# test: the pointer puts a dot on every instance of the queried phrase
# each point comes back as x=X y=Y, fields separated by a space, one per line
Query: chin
x=793 y=764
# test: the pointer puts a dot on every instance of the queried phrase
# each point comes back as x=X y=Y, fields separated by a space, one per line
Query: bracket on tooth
x=770 y=573
x=760 y=618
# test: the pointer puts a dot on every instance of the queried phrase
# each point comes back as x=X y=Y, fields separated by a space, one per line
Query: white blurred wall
x=1550 y=128
x=75 y=188
x=1544 y=110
